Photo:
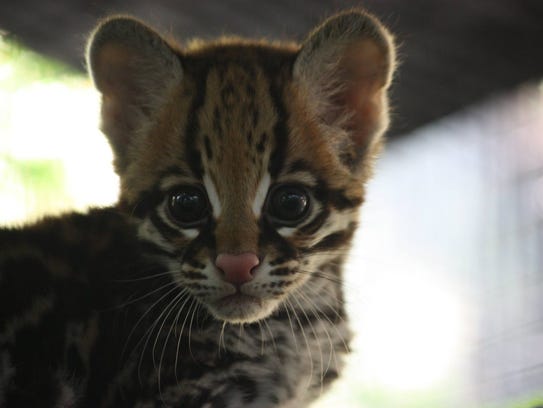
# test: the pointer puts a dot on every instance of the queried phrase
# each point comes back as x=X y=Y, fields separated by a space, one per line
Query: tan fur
x=221 y=111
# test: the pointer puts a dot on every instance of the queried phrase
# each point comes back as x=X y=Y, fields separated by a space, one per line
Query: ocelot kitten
x=216 y=280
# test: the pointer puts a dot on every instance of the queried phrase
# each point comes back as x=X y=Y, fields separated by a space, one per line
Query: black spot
x=248 y=388
x=278 y=261
x=260 y=147
x=255 y=116
x=195 y=275
x=217 y=128
x=282 y=272
x=329 y=376
x=194 y=263
x=207 y=144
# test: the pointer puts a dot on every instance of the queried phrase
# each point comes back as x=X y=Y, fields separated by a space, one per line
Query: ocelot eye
x=288 y=204
x=188 y=206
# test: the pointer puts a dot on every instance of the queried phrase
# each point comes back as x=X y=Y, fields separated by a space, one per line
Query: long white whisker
x=181 y=332
x=145 y=314
x=325 y=316
x=317 y=312
x=308 y=347
x=178 y=299
x=321 y=373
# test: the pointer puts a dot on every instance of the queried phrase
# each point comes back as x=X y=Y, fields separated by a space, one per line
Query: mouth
x=239 y=300
x=240 y=308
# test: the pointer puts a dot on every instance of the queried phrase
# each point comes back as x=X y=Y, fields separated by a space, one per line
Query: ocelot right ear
x=343 y=70
x=134 y=69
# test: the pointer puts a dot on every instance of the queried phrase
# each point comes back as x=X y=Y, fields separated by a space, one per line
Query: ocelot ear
x=135 y=70
x=344 y=69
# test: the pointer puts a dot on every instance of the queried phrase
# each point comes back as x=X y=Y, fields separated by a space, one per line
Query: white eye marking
x=261 y=193
x=190 y=233
x=286 y=231
x=213 y=196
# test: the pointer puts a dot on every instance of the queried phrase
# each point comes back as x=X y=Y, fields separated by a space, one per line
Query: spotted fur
x=128 y=307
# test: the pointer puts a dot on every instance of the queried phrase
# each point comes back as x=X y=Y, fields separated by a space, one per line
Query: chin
x=240 y=308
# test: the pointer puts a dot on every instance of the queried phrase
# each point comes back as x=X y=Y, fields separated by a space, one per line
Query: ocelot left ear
x=344 y=69
x=135 y=70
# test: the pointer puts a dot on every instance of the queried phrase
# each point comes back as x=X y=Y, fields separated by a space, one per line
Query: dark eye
x=288 y=205
x=188 y=206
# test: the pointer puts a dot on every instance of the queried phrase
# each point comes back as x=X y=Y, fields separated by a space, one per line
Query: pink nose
x=237 y=269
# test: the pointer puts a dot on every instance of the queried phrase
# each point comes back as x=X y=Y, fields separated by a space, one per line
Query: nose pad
x=237 y=269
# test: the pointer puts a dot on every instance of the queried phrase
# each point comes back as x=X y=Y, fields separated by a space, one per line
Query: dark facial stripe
x=280 y=131
x=165 y=230
x=153 y=249
x=147 y=200
x=335 y=197
x=194 y=275
x=193 y=157
x=282 y=272
x=339 y=200
x=334 y=240
x=316 y=223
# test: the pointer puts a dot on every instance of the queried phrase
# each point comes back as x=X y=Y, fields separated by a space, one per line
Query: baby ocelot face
x=242 y=211
x=245 y=161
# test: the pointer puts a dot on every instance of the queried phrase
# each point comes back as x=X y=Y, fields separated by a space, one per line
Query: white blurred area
x=444 y=285
x=51 y=129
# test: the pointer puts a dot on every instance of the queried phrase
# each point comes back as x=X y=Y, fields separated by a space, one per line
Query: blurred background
x=445 y=281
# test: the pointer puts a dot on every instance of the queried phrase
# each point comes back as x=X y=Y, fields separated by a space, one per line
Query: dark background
x=454 y=53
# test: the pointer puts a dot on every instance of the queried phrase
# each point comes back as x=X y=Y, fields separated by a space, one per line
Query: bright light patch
x=412 y=330
x=52 y=155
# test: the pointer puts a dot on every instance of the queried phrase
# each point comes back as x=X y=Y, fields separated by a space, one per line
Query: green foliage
x=26 y=66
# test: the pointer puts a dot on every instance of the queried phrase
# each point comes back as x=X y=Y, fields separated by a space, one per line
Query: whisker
x=148 y=277
x=315 y=336
x=317 y=312
x=333 y=324
x=271 y=334
x=145 y=314
x=311 y=366
x=132 y=301
x=178 y=299
x=181 y=334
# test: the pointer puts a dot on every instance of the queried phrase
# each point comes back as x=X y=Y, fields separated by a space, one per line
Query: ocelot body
x=217 y=279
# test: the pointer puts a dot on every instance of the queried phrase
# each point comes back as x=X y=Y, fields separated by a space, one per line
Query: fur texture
x=216 y=281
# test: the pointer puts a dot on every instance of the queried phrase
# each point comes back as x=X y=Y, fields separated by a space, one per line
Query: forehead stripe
x=193 y=156
x=280 y=132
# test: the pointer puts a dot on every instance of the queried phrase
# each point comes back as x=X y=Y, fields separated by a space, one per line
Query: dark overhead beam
x=454 y=52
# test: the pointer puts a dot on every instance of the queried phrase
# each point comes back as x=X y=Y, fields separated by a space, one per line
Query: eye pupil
x=188 y=206
x=289 y=204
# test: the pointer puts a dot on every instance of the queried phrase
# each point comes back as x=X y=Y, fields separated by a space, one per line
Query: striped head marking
x=244 y=162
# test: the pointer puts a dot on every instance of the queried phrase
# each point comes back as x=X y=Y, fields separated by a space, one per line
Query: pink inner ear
x=366 y=76
x=113 y=68
x=367 y=107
